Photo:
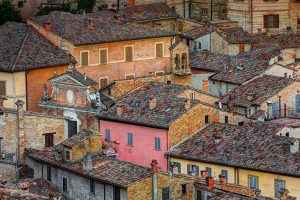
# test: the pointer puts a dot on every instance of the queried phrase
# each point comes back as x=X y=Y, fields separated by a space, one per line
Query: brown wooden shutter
x=159 y=50
x=2 y=88
x=276 y=21
x=128 y=54
x=103 y=82
x=266 y=21
x=103 y=56
x=84 y=58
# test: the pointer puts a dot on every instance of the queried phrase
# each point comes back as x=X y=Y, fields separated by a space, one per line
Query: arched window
x=184 y=61
x=177 y=62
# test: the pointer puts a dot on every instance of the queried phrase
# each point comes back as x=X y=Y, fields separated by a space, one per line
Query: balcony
x=182 y=72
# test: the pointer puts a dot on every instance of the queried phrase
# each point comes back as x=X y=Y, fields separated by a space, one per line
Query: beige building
x=256 y=15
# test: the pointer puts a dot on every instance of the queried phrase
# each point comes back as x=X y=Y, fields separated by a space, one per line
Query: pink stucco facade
x=143 y=149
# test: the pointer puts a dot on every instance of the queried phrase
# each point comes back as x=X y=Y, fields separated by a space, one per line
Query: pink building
x=146 y=122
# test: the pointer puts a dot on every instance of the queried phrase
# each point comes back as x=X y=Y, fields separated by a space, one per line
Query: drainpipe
x=279 y=106
x=154 y=180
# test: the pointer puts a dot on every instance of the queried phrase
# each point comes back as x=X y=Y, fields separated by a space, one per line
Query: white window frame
x=100 y=55
x=103 y=77
x=129 y=75
x=133 y=58
x=163 y=49
x=156 y=72
x=88 y=58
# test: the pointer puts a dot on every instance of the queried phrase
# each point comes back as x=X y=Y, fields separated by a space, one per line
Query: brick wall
x=142 y=190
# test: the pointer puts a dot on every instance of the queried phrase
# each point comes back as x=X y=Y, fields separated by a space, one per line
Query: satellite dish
x=220 y=105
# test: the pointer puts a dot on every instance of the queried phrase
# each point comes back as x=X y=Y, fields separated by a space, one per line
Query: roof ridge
x=21 y=49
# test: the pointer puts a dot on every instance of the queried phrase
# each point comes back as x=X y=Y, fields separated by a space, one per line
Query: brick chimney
x=48 y=26
x=154 y=166
x=119 y=110
x=187 y=104
x=152 y=103
x=210 y=182
x=21 y=131
x=204 y=173
x=222 y=180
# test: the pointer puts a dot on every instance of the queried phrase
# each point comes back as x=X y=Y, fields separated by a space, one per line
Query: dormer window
x=67 y=154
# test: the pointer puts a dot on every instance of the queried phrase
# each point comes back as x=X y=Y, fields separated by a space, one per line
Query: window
x=279 y=184
x=285 y=75
x=49 y=173
x=225 y=173
x=192 y=95
x=271 y=21
x=204 y=11
x=20 y=4
x=2 y=88
x=226 y=121
x=166 y=193
x=67 y=154
x=117 y=195
x=184 y=61
x=1 y=138
x=199 y=45
x=107 y=134
x=240 y=123
x=130 y=139
x=207 y=119
x=157 y=143
x=84 y=58
x=253 y=181
x=65 y=184
x=195 y=170
x=129 y=76
x=159 y=49
x=103 y=82
x=208 y=169
x=183 y=189
x=92 y=186
x=176 y=168
x=129 y=53
x=49 y=139
x=287 y=134
x=103 y=56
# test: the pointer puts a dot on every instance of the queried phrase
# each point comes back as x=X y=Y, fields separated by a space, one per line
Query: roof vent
x=152 y=103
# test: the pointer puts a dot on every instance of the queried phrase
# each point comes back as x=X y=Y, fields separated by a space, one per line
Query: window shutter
x=103 y=56
x=197 y=170
x=276 y=21
x=265 y=21
x=188 y=169
x=84 y=58
x=51 y=136
x=47 y=142
x=2 y=88
x=159 y=50
x=179 y=167
x=128 y=54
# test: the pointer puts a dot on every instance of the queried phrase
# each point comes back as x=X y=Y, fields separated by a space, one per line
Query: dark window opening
x=117 y=195
x=49 y=139
x=48 y=173
x=207 y=119
x=92 y=186
x=183 y=189
x=65 y=184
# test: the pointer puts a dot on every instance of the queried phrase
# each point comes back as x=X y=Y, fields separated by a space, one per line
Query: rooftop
x=235 y=35
x=196 y=32
x=136 y=106
x=260 y=90
x=93 y=29
x=253 y=146
x=23 y=48
x=77 y=138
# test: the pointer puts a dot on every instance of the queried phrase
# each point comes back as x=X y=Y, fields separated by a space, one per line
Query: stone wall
x=142 y=190
x=7 y=171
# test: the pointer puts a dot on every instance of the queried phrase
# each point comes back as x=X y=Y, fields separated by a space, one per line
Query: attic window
x=67 y=154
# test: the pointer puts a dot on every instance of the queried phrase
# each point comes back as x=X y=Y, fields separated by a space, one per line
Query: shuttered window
x=157 y=143
x=107 y=134
x=103 y=82
x=159 y=50
x=129 y=54
x=271 y=21
x=253 y=181
x=208 y=169
x=49 y=139
x=84 y=57
x=2 y=88
x=130 y=139
x=103 y=56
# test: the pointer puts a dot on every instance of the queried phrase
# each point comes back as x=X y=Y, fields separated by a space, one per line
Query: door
x=298 y=103
x=72 y=128
x=166 y=193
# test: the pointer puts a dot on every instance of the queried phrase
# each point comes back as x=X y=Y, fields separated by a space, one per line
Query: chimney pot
x=187 y=104
x=119 y=110
x=152 y=103
x=48 y=26
x=210 y=182
x=154 y=166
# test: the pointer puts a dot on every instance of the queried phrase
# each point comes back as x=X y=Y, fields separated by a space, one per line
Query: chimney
x=119 y=110
x=131 y=3
x=250 y=97
x=2 y=99
x=294 y=146
x=283 y=194
x=21 y=132
x=204 y=173
x=154 y=165
x=87 y=162
x=152 y=103
x=48 y=26
x=90 y=25
x=24 y=186
x=210 y=182
x=222 y=180
x=187 y=104
x=205 y=85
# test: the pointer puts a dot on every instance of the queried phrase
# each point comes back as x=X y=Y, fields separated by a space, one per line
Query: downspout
x=154 y=180
x=26 y=89
x=251 y=16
